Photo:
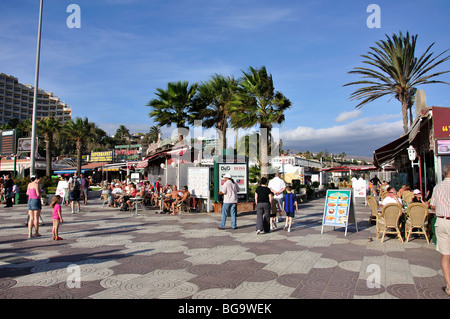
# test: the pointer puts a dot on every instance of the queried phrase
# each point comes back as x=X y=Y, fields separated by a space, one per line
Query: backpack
x=75 y=184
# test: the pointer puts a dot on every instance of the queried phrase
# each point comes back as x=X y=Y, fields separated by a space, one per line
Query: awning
x=142 y=164
x=388 y=152
x=70 y=171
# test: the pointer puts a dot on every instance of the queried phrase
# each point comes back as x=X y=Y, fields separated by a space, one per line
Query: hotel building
x=16 y=102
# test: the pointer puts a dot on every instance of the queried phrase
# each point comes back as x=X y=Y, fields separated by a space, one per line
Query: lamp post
x=36 y=89
x=412 y=154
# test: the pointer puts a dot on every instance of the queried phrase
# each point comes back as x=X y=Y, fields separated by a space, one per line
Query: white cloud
x=359 y=137
x=344 y=116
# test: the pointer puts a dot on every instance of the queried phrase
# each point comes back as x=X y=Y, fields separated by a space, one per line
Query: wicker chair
x=387 y=223
x=416 y=218
x=372 y=202
x=408 y=196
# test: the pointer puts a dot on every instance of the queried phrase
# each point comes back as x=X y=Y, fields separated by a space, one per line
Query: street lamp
x=36 y=88
x=412 y=154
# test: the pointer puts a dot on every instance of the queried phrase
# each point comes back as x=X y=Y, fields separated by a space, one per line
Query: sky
x=109 y=68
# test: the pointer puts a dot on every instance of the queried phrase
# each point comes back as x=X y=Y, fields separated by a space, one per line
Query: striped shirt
x=441 y=198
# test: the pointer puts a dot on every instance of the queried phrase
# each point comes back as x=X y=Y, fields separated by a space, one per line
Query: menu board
x=337 y=208
x=198 y=181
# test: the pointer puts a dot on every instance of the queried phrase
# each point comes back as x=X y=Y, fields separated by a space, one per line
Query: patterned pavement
x=109 y=254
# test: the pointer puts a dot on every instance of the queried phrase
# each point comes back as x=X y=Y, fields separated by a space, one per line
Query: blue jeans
x=231 y=209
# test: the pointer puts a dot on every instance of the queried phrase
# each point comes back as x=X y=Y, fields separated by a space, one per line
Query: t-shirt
x=263 y=194
x=389 y=200
x=230 y=191
x=277 y=184
x=56 y=209
x=289 y=200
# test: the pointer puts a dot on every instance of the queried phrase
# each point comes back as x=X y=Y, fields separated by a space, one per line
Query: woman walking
x=34 y=205
x=263 y=200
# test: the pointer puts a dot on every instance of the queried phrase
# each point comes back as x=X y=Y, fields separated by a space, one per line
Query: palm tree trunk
x=263 y=138
x=222 y=132
x=48 y=155
x=79 y=159
x=404 y=102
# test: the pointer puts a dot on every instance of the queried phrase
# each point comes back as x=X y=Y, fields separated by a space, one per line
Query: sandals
x=445 y=290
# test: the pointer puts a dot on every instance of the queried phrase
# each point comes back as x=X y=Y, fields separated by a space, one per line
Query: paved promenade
x=109 y=254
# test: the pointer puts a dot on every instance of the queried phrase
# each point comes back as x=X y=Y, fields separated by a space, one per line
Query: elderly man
x=391 y=198
x=230 y=198
x=277 y=186
x=440 y=202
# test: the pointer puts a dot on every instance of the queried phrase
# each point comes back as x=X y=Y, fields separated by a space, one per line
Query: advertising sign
x=198 y=182
x=338 y=211
x=443 y=147
x=238 y=174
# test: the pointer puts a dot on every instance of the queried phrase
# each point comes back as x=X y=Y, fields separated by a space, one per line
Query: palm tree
x=263 y=106
x=214 y=102
x=122 y=132
x=155 y=134
x=396 y=71
x=81 y=132
x=173 y=104
x=47 y=127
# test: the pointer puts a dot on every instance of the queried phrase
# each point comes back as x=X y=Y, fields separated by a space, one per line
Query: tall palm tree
x=393 y=69
x=81 y=132
x=171 y=107
x=47 y=127
x=263 y=106
x=214 y=102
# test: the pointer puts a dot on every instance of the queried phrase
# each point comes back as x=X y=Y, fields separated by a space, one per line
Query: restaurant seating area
x=402 y=221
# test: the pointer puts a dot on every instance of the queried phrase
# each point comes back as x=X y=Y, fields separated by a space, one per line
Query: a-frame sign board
x=339 y=210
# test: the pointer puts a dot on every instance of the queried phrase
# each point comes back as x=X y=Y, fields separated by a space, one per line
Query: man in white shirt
x=230 y=198
x=391 y=197
x=277 y=186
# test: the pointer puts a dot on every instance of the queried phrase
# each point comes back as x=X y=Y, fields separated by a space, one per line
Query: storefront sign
x=101 y=156
x=443 y=147
x=441 y=122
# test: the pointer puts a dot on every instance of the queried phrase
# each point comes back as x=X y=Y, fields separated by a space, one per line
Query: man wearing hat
x=230 y=199
x=418 y=197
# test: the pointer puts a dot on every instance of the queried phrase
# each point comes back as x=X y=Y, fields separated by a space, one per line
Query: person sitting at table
x=401 y=191
x=392 y=197
x=418 y=198
x=168 y=197
x=117 y=193
x=130 y=195
x=183 y=199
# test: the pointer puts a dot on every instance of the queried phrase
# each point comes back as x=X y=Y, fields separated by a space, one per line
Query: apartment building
x=16 y=101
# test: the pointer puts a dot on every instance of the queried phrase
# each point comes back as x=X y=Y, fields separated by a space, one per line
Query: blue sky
x=110 y=68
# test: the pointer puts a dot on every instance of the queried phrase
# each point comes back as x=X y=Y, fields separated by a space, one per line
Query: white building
x=16 y=102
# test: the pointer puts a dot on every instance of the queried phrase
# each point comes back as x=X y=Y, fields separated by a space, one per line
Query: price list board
x=338 y=211
x=7 y=143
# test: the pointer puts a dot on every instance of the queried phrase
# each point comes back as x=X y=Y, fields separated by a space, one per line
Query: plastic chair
x=388 y=221
x=416 y=218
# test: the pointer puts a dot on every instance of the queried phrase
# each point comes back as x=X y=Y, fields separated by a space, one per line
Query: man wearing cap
x=440 y=202
x=418 y=197
x=230 y=199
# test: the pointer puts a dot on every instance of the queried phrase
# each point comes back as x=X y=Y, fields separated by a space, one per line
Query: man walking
x=74 y=191
x=277 y=186
x=440 y=202
x=230 y=199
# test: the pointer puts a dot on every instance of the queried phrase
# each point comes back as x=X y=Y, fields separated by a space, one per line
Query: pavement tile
x=119 y=256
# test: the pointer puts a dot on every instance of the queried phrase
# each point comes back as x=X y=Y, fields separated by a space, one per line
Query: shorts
x=290 y=214
x=34 y=204
x=74 y=196
x=443 y=236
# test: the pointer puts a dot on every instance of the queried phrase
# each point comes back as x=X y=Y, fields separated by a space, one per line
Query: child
x=289 y=202
x=57 y=216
